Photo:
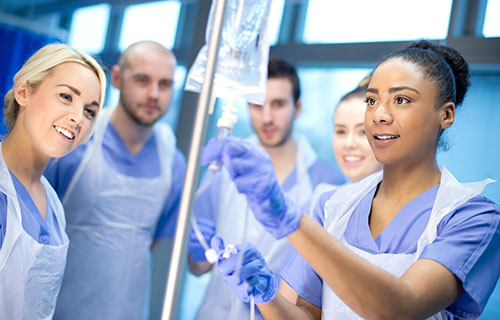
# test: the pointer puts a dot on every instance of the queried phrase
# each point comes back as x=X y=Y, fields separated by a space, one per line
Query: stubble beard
x=284 y=139
x=131 y=112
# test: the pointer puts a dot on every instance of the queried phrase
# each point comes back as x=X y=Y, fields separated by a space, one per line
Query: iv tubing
x=175 y=275
x=238 y=268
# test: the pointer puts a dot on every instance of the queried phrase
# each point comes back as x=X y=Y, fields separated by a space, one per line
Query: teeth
x=386 y=137
x=352 y=158
x=65 y=132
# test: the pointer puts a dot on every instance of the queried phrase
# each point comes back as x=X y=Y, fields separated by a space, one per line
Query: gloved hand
x=207 y=228
x=252 y=171
x=255 y=277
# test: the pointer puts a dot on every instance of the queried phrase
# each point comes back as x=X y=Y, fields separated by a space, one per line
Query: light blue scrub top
x=42 y=231
x=467 y=244
x=145 y=164
x=207 y=204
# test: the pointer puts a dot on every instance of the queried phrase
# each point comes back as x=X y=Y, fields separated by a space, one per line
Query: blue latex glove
x=252 y=171
x=207 y=228
x=255 y=277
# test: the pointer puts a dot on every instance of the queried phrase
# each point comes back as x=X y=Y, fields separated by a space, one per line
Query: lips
x=65 y=132
x=268 y=131
x=385 y=136
x=352 y=160
x=384 y=139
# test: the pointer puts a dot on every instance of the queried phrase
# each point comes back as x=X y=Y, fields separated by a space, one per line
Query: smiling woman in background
x=350 y=144
x=50 y=110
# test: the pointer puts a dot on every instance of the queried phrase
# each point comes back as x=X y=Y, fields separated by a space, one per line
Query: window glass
x=491 y=27
x=172 y=114
x=88 y=29
x=370 y=21
x=274 y=23
x=155 y=21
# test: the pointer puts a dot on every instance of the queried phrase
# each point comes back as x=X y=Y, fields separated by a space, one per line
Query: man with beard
x=221 y=209
x=121 y=192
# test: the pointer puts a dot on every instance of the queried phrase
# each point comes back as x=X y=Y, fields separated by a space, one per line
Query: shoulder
x=478 y=211
x=318 y=211
x=322 y=171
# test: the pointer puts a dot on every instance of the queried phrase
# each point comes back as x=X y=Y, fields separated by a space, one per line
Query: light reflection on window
x=491 y=27
x=274 y=22
x=155 y=21
x=88 y=29
x=370 y=21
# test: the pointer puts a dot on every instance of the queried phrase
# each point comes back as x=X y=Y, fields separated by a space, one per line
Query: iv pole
x=178 y=258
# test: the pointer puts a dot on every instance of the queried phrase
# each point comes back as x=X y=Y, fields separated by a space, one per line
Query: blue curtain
x=18 y=45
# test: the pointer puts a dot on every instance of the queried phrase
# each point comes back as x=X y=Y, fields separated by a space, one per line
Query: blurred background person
x=121 y=192
x=221 y=209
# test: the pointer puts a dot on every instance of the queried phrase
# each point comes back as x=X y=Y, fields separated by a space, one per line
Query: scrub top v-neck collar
x=411 y=214
x=49 y=232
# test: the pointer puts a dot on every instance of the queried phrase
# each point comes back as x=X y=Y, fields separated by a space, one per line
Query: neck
x=133 y=134
x=23 y=160
x=409 y=180
x=284 y=158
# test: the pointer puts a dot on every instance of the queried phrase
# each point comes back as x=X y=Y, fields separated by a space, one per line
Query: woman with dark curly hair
x=410 y=242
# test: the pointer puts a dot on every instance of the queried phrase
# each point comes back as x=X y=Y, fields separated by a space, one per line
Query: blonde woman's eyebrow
x=75 y=90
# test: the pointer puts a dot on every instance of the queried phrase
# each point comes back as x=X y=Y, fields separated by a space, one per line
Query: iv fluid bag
x=243 y=52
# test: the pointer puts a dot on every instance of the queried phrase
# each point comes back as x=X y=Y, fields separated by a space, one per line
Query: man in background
x=121 y=192
x=222 y=210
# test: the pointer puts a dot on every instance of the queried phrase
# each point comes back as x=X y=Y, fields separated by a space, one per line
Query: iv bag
x=243 y=52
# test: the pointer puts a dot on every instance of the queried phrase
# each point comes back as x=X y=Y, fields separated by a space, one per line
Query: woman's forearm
x=367 y=289
x=281 y=308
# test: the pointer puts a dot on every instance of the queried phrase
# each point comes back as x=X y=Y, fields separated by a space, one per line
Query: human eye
x=278 y=104
x=362 y=132
x=401 y=100
x=166 y=84
x=339 y=132
x=66 y=96
x=370 y=101
x=141 y=80
x=90 y=112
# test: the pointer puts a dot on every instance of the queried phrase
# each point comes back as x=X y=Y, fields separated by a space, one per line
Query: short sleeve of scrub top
x=299 y=274
x=467 y=244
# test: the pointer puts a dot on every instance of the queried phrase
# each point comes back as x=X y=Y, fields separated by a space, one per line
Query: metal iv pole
x=178 y=258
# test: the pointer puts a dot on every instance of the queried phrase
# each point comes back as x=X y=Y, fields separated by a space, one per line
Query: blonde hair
x=39 y=66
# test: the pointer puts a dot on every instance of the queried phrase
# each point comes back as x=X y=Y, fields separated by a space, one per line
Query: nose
x=382 y=115
x=267 y=114
x=76 y=116
x=350 y=141
x=154 y=92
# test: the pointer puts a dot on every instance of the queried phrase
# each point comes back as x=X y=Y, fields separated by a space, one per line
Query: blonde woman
x=50 y=110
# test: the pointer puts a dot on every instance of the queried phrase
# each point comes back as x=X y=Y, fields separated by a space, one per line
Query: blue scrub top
x=43 y=231
x=467 y=244
x=145 y=164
